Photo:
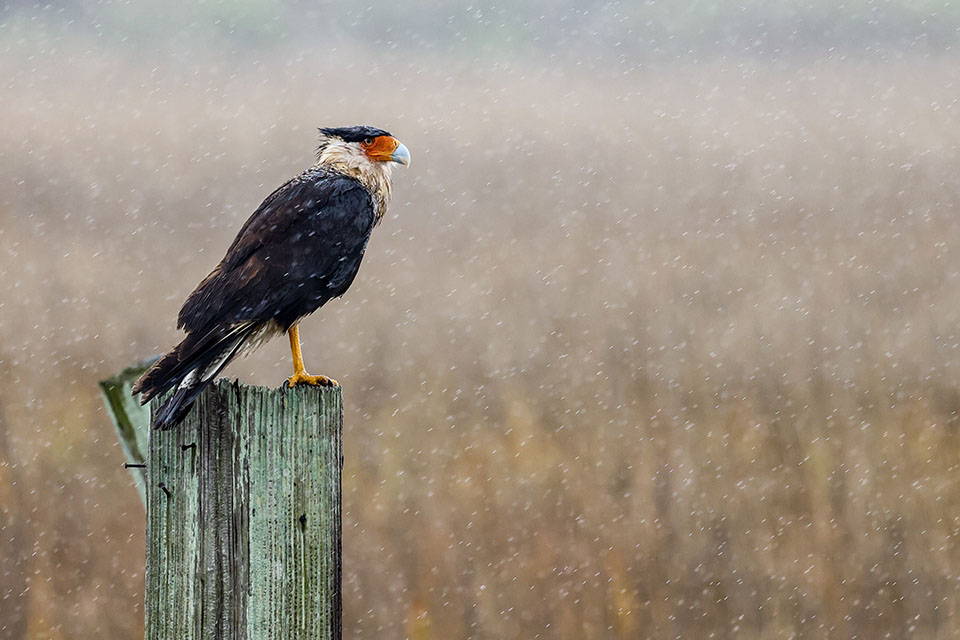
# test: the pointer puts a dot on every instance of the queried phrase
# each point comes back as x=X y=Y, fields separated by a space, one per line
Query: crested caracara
x=300 y=248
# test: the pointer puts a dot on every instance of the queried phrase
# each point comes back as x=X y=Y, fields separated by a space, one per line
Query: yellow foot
x=306 y=378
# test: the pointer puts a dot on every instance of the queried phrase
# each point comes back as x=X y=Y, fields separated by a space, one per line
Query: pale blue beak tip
x=401 y=155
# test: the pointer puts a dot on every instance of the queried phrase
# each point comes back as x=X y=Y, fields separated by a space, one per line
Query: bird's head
x=360 y=149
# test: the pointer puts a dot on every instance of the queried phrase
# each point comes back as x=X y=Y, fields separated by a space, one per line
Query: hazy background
x=658 y=338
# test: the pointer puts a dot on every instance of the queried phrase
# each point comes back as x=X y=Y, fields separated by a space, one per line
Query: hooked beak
x=401 y=155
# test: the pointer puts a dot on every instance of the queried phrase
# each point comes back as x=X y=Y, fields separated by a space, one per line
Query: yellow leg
x=300 y=375
x=294 y=334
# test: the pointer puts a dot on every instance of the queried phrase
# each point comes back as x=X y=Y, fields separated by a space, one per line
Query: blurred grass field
x=668 y=353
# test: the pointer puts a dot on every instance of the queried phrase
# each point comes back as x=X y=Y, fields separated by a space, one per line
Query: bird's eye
x=367 y=142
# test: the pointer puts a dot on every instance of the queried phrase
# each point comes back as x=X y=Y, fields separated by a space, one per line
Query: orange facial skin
x=381 y=148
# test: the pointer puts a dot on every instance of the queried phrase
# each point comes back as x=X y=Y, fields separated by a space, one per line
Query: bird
x=301 y=248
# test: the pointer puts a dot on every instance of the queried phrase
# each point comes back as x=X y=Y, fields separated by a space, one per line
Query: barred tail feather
x=176 y=407
x=189 y=367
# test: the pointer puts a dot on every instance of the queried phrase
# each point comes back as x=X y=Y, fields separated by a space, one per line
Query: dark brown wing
x=300 y=248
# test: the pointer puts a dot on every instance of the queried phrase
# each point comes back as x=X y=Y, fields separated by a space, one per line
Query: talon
x=306 y=378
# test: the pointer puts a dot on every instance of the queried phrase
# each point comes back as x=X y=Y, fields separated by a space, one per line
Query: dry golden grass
x=670 y=353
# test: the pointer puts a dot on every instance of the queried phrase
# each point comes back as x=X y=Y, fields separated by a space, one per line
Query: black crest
x=354 y=134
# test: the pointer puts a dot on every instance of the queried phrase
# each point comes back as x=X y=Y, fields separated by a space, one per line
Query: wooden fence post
x=243 y=517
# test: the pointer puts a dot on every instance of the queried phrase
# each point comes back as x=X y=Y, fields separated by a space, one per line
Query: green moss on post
x=243 y=517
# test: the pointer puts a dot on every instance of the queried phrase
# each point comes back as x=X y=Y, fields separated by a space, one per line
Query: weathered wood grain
x=243 y=517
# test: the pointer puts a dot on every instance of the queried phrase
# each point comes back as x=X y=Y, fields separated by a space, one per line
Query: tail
x=189 y=367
